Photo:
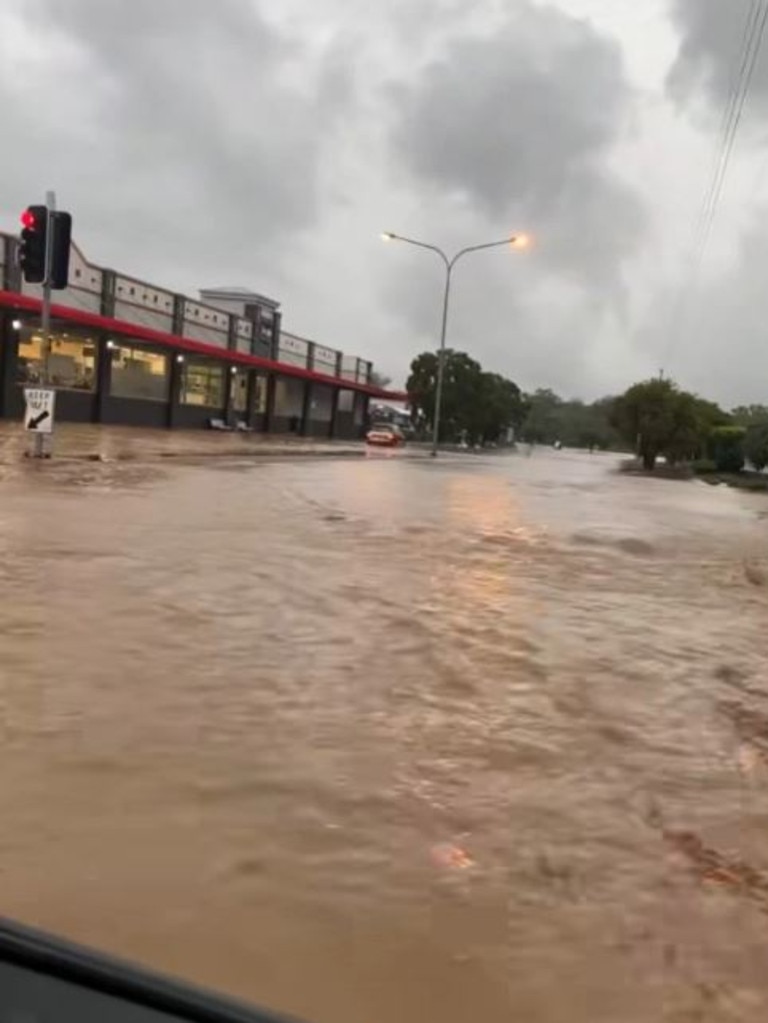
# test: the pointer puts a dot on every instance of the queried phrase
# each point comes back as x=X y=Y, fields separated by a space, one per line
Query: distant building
x=383 y=412
x=248 y=304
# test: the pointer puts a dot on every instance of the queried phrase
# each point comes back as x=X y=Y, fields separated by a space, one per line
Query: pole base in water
x=41 y=447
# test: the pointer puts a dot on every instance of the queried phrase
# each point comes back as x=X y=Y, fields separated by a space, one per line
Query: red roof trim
x=15 y=300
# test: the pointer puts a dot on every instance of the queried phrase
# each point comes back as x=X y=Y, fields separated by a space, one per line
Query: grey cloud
x=711 y=42
x=516 y=130
x=181 y=122
x=540 y=334
x=720 y=349
x=519 y=125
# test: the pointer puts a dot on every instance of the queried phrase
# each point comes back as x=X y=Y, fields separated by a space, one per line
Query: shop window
x=289 y=397
x=71 y=363
x=260 y=395
x=346 y=401
x=139 y=373
x=240 y=391
x=203 y=384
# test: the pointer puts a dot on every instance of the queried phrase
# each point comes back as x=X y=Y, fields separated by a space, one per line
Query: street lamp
x=520 y=241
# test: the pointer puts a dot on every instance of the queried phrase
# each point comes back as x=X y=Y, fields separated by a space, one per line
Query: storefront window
x=71 y=361
x=139 y=373
x=202 y=383
x=260 y=395
x=240 y=391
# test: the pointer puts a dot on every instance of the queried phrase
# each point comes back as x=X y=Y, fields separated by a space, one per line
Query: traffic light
x=42 y=227
x=61 y=234
x=34 y=243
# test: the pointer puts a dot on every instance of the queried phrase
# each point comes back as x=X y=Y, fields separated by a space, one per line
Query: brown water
x=394 y=740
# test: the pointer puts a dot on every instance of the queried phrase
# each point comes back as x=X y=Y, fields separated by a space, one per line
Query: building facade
x=125 y=351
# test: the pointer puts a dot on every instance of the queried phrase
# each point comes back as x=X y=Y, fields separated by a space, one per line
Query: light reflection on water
x=394 y=739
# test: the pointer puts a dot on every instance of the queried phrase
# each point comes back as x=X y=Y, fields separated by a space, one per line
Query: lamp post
x=516 y=242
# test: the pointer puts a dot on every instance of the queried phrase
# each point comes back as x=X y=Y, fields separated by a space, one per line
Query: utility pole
x=45 y=316
x=45 y=322
x=516 y=242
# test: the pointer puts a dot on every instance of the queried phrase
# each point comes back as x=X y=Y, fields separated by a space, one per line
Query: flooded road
x=394 y=740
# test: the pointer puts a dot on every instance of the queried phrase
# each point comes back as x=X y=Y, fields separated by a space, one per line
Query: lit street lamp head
x=520 y=241
x=387 y=236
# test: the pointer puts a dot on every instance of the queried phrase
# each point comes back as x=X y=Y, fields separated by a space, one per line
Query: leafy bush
x=726 y=448
x=704 y=467
x=756 y=446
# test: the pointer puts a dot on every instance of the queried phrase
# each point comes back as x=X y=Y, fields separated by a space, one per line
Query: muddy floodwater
x=390 y=740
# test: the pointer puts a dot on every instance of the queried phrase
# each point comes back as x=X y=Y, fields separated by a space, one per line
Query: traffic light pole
x=45 y=317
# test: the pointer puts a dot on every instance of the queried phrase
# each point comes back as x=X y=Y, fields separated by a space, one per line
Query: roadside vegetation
x=670 y=431
x=482 y=408
x=693 y=435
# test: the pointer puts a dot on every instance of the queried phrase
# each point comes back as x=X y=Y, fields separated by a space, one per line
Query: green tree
x=726 y=448
x=499 y=406
x=690 y=427
x=585 y=425
x=750 y=415
x=575 y=423
x=756 y=445
x=476 y=404
x=541 y=425
x=660 y=419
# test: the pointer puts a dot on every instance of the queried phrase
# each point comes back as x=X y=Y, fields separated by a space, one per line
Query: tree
x=499 y=407
x=461 y=382
x=750 y=415
x=690 y=426
x=756 y=445
x=575 y=423
x=541 y=425
x=726 y=448
x=380 y=380
x=659 y=419
x=475 y=404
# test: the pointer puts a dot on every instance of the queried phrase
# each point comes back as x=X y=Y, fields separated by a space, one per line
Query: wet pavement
x=393 y=739
x=89 y=442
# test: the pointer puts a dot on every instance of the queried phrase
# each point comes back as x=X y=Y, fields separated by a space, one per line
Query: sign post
x=39 y=410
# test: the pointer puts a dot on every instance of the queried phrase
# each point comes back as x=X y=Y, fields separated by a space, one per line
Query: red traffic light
x=29 y=220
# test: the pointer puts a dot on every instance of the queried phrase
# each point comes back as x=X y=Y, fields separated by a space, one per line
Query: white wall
x=85 y=283
x=293 y=350
x=204 y=323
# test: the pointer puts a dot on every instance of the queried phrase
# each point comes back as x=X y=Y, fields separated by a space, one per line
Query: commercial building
x=125 y=351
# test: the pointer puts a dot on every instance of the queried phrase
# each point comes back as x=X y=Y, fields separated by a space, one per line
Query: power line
x=748 y=72
x=738 y=78
x=741 y=82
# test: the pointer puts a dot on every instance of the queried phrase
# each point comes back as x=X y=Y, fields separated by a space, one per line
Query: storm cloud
x=709 y=60
x=184 y=124
x=265 y=144
x=519 y=124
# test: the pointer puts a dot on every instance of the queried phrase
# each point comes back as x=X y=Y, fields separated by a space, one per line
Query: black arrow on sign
x=34 y=423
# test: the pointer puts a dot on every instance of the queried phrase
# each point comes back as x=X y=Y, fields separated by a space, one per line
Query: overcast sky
x=267 y=144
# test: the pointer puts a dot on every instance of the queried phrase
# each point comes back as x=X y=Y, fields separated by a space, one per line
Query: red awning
x=25 y=303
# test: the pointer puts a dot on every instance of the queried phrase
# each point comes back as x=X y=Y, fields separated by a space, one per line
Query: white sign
x=39 y=408
x=297 y=345
x=325 y=355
